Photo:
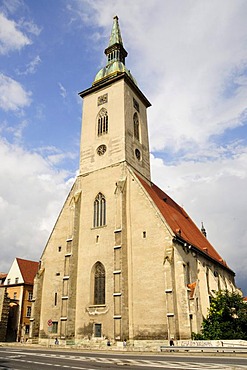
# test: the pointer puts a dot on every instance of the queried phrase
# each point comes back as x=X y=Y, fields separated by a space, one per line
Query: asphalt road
x=40 y=359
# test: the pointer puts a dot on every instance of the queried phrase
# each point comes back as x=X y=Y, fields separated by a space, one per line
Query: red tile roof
x=28 y=270
x=2 y=277
x=179 y=221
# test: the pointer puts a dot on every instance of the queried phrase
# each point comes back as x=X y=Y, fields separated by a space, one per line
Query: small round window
x=101 y=149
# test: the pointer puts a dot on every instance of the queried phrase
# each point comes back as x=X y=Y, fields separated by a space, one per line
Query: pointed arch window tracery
x=99 y=283
x=102 y=122
x=136 y=127
x=99 y=218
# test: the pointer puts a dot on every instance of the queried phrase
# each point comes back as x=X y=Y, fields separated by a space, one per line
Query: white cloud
x=12 y=95
x=190 y=57
x=31 y=67
x=12 y=6
x=213 y=192
x=32 y=194
x=55 y=156
x=10 y=37
x=30 y=27
x=63 y=91
x=15 y=131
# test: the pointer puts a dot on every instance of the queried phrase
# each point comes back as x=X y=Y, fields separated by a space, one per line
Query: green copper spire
x=115 y=50
x=116 y=55
x=116 y=37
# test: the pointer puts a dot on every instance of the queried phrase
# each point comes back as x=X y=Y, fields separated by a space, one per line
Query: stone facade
x=115 y=266
x=4 y=314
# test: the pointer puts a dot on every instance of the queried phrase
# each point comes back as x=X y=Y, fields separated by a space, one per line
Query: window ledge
x=98 y=309
x=98 y=227
x=97 y=305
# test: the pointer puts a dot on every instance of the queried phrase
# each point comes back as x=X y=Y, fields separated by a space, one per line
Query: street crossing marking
x=188 y=365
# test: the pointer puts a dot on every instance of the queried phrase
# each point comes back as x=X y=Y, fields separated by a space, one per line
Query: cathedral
x=124 y=260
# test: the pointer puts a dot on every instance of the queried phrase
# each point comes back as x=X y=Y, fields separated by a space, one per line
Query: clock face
x=101 y=149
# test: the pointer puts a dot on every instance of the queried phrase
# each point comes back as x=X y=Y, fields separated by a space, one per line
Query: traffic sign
x=49 y=322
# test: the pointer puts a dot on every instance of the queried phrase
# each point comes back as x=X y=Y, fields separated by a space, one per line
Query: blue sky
x=190 y=60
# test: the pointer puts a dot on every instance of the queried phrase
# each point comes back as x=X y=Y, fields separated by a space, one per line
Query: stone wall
x=4 y=314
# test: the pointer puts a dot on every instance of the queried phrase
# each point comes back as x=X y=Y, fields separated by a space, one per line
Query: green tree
x=227 y=317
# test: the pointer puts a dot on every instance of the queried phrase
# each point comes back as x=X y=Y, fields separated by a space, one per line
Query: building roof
x=180 y=223
x=28 y=269
x=2 y=277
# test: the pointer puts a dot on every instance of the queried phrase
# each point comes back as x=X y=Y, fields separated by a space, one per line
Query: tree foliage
x=227 y=317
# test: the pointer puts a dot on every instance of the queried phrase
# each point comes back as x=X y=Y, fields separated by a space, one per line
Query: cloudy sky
x=190 y=60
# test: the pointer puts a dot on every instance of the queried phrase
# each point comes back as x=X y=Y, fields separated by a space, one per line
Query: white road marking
x=118 y=361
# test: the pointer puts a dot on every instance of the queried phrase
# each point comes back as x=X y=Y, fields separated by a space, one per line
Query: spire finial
x=203 y=230
x=115 y=37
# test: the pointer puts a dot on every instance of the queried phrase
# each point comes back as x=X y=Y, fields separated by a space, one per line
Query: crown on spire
x=115 y=50
x=203 y=230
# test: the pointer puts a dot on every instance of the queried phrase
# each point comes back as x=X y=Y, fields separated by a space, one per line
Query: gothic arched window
x=136 y=127
x=99 y=283
x=102 y=122
x=99 y=217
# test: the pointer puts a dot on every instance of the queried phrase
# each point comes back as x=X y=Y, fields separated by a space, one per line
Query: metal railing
x=203 y=349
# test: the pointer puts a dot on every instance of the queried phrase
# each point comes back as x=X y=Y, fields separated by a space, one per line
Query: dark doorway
x=12 y=323
x=97 y=330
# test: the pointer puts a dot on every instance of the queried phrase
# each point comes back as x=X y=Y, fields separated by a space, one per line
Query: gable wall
x=146 y=265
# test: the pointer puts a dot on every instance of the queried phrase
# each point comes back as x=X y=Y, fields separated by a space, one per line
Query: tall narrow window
x=54 y=327
x=99 y=218
x=99 y=283
x=136 y=127
x=102 y=122
x=28 y=311
x=97 y=330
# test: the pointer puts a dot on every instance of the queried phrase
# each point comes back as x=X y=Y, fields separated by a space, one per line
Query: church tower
x=114 y=119
x=124 y=260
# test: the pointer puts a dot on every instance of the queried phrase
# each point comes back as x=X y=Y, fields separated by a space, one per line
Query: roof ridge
x=180 y=222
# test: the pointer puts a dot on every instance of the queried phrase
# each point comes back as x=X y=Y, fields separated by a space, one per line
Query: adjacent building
x=16 y=295
x=124 y=260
